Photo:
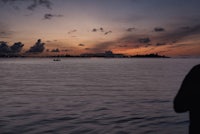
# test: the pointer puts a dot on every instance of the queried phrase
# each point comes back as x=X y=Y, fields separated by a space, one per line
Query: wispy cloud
x=43 y=3
x=32 y=4
x=5 y=31
x=160 y=44
x=130 y=29
x=133 y=41
x=159 y=29
x=5 y=34
x=102 y=46
x=144 y=40
x=108 y=32
x=72 y=31
x=180 y=33
x=49 y=16
x=81 y=45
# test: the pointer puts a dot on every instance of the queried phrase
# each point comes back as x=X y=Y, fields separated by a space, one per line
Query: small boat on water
x=56 y=59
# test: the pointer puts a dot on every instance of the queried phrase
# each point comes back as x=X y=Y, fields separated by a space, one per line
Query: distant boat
x=57 y=59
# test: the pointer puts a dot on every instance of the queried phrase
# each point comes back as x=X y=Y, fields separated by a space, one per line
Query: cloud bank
x=38 y=47
x=5 y=49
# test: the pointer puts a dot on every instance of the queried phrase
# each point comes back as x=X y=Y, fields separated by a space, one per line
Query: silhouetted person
x=188 y=99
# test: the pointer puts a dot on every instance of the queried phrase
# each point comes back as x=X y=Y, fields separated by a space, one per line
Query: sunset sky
x=167 y=27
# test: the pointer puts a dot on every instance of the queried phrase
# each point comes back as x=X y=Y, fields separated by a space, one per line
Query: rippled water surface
x=91 y=96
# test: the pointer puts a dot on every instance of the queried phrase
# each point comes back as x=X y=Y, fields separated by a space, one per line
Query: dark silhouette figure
x=188 y=99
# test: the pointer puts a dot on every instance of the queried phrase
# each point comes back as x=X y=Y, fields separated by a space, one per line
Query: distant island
x=110 y=54
x=106 y=54
x=150 y=56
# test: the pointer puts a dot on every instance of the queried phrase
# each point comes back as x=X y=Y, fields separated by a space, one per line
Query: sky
x=166 y=27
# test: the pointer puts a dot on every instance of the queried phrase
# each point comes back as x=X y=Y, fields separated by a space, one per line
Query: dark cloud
x=81 y=45
x=43 y=3
x=144 y=40
x=49 y=16
x=101 y=29
x=9 y=50
x=37 y=48
x=16 y=47
x=72 y=31
x=134 y=41
x=128 y=41
x=33 y=4
x=130 y=29
x=94 y=30
x=109 y=32
x=160 y=44
x=159 y=29
x=4 y=48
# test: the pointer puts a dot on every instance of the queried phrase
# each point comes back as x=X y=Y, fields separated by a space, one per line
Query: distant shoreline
x=128 y=57
x=107 y=54
x=78 y=57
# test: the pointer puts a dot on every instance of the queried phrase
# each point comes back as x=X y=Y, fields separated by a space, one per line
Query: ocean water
x=91 y=96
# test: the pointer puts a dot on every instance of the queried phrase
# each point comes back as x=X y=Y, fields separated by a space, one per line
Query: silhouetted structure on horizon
x=38 y=48
x=152 y=55
x=106 y=54
x=188 y=98
x=110 y=54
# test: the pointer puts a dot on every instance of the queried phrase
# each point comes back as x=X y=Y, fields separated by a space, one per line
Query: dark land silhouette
x=106 y=54
x=188 y=98
x=15 y=50
x=152 y=55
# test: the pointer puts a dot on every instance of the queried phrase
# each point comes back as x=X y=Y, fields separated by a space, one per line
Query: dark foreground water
x=91 y=96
